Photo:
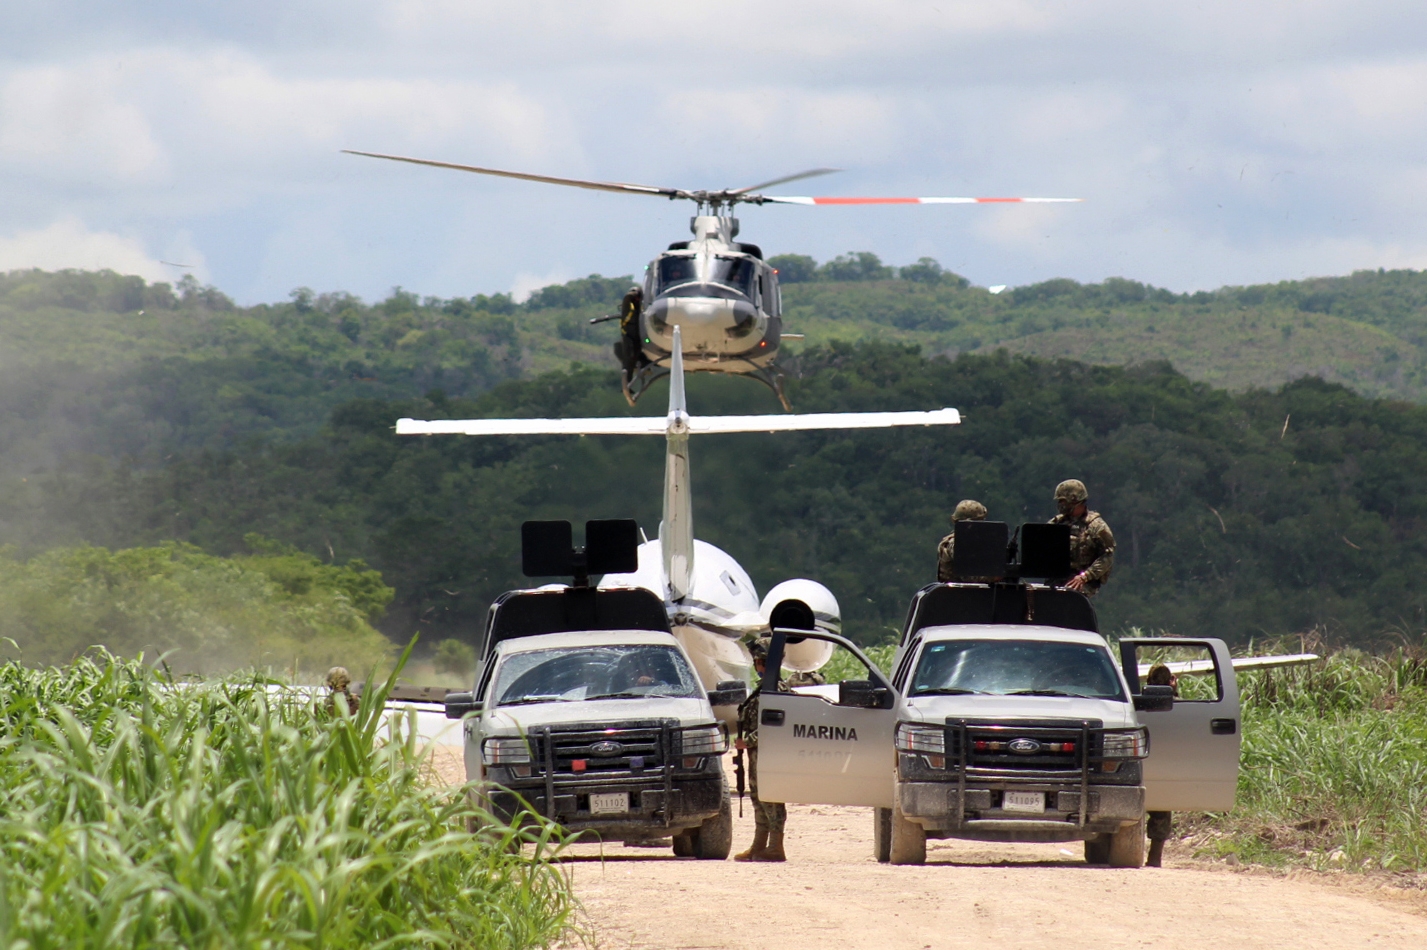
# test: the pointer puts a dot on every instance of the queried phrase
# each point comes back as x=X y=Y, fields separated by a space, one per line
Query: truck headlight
x=506 y=751
x=1134 y=744
x=704 y=740
x=919 y=737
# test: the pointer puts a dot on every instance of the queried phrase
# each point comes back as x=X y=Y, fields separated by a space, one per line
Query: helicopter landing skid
x=649 y=373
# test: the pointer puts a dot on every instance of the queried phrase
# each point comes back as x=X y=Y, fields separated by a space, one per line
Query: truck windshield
x=570 y=674
x=1016 y=668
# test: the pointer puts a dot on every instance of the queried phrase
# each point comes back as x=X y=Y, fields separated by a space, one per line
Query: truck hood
x=517 y=720
x=937 y=708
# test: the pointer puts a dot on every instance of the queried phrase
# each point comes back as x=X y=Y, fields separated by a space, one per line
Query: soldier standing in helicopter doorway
x=631 y=347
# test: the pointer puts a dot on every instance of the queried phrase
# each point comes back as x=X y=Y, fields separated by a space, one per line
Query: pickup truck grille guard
x=1088 y=735
x=652 y=746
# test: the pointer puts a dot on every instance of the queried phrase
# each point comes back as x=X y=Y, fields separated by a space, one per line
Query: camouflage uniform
x=966 y=510
x=1092 y=545
x=339 y=682
x=767 y=816
x=800 y=678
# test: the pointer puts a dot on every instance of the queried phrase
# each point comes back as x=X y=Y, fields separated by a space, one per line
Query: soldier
x=768 y=817
x=631 y=352
x=1161 y=823
x=805 y=678
x=966 y=510
x=1092 y=546
x=338 y=682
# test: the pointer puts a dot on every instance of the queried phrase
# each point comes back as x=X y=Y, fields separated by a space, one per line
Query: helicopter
x=719 y=291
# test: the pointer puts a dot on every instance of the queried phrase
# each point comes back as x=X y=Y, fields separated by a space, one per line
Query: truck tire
x=713 y=840
x=907 y=843
x=684 y=845
x=1127 y=846
x=1097 y=850
x=882 y=834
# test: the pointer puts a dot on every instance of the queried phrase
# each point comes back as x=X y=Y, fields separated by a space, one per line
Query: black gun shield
x=980 y=549
x=1045 y=551
x=612 y=547
x=546 y=549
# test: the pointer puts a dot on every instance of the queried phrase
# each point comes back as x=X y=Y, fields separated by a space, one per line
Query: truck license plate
x=609 y=803
x=1029 y=802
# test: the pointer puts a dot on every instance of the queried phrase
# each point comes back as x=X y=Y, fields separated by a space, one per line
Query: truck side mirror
x=863 y=694
x=459 y=704
x=1155 y=699
x=728 y=693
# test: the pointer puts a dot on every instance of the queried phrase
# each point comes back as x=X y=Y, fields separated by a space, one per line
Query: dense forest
x=136 y=414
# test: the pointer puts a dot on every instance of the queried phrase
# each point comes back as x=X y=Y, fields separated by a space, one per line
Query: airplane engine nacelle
x=807 y=655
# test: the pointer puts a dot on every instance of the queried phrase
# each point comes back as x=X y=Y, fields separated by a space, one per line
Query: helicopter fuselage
x=721 y=295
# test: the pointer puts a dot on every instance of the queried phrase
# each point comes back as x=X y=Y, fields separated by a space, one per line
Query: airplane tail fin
x=676 y=530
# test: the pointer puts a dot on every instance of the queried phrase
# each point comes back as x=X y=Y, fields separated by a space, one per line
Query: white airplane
x=710 y=599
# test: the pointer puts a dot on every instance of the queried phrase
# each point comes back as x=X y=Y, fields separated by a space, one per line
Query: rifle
x=605 y=319
x=738 y=778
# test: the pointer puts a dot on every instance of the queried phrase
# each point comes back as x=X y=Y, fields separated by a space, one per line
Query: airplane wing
x=822 y=420
x=1190 y=667
x=617 y=425
x=659 y=425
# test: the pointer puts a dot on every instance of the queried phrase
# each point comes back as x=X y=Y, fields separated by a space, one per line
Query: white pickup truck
x=587 y=711
x=1006 y=717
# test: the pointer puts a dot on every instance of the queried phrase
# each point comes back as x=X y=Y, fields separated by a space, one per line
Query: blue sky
x=1215 y=143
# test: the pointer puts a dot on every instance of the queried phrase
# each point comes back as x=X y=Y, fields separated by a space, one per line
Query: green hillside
x=1365 y=331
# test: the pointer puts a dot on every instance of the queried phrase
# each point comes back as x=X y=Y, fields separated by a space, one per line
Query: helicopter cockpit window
x=677 y=270
x=735 y=272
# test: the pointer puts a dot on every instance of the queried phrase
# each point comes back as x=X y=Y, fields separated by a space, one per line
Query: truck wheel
x=714 y=838
x=1127 y=846
x=684 y=844
x=908 y=840
x=882 y=834
x=1097 y=850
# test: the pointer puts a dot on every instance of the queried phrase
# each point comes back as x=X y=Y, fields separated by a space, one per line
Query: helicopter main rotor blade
x=787 y=200
x=810 y=173
x=616 y=186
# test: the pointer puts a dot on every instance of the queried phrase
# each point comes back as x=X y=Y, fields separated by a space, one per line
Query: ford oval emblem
x=606 y=747
x=1024 y=746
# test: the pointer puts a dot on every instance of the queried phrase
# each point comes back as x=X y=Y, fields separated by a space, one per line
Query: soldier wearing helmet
x=1092 y=545
x=630 y=349
x=768 y=817
x=339 y=681
x=966 y=510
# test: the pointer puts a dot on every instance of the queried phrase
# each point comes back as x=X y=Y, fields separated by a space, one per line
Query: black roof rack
x=939 y=605
x=529 y=613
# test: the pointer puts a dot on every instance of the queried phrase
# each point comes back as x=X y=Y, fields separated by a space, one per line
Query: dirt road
x=831 y=894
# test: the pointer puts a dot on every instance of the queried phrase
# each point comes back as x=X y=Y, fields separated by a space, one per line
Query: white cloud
x=526 y=283
x=67 y=243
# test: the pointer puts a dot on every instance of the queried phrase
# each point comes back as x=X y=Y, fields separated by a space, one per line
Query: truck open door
x=1193 y=763
x=831 y=745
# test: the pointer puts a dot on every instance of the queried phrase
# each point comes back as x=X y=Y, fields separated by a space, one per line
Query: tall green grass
x=139 y=812
x=1334 y=765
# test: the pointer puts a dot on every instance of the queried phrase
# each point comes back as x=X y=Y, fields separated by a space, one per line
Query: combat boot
x=758 y=848
x=1152 y=860
x=774 y=851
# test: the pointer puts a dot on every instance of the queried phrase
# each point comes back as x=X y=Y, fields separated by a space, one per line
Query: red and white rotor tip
x=914 y=201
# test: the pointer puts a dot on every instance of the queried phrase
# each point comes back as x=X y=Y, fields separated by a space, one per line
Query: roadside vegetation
x=270 y=607
x=141 y=811
x=1334 y=769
